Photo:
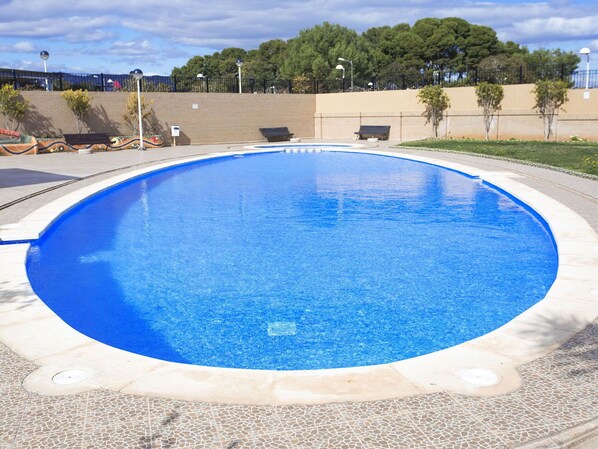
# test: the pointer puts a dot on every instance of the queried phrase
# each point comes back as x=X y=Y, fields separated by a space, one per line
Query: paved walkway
x=559 y=394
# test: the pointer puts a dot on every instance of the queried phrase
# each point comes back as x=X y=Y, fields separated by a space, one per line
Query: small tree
x=436 y=102
x=489 y=98
x=12 y=106
x=550 y=96
x=131 y=115
x=79 y=102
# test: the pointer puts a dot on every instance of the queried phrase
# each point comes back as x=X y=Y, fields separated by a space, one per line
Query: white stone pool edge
x=32 y=330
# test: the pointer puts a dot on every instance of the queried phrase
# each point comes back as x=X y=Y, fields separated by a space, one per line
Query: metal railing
x=29 y=80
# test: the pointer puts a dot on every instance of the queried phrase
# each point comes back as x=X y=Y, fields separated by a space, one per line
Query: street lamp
x=342 y=67
x=586 y=51
x=45 y=55
x=200 y=77
x=137 y=75
x=239 y=65
x=350 y=62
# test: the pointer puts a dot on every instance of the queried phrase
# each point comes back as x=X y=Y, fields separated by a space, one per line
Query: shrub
x=131 y=114
x=12 y=106
x=489 y=98
x=79 y=103
x=550 y=96
x=436 y=102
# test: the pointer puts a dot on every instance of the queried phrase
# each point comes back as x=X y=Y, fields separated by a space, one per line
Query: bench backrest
x=87 y=139
x=374 y=129
x=281 y=131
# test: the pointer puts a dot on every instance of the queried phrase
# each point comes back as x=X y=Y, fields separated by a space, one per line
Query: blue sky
x=113 y=36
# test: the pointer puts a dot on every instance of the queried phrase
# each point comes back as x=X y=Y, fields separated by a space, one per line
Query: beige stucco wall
x=236 y=118
x=340 y=115
x=218 y=117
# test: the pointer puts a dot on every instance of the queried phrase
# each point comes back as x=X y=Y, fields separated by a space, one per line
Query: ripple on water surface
x=294 y=261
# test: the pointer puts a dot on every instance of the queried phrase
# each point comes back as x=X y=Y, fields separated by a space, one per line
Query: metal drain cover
x=480 y=377
x=71 y=376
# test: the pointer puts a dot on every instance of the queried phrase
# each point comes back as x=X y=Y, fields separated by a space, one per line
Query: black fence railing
x=28 y=80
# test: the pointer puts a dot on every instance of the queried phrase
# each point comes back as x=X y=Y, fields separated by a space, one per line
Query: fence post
x=174 y=83
x=207 y=85
x=520 y=74
x=290 y=87
x=60 y=80
x=102 y=81
x=477 y=78
x=264 y=85
x=14 y=78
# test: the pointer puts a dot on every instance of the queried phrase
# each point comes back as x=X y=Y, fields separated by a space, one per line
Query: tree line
x=445 y=45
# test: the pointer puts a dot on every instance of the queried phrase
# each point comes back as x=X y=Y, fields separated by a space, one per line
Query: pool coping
x=34 y=331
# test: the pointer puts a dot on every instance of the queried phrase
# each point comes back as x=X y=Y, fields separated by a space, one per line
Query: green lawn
x=577 y=156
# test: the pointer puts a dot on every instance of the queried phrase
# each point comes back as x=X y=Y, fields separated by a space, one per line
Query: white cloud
x=546 y=28
x=137 y=31
x=130 y=48
x=25 y=47
x=19 y=47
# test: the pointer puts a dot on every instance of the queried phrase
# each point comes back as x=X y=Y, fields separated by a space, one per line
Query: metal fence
x=59 y=81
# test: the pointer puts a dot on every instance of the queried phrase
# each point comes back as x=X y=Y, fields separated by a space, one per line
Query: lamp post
x=137 y=75
x=351 y=63
x=342 y=67
x=586 y=51
x=200 y=77
x=239 y=65
x=45 y=55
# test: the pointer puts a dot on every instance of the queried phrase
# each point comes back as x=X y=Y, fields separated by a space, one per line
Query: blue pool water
x=294 y=261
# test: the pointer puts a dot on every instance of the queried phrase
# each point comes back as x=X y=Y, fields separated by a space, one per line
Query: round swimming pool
x=289 y=261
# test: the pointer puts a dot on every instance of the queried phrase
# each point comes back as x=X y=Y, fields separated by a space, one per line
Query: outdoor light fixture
x=341 y=67
x=239 y=65
x=45 y=55
x=137 y=75
x=586 y=51
x=351 y=63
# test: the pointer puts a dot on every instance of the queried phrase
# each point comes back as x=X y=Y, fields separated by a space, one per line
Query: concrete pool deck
x=549 y=395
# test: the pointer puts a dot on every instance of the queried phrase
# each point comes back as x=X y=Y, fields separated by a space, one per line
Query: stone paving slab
x=558 y=391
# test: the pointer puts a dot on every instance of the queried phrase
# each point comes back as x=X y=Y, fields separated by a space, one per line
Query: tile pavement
x=559 y=391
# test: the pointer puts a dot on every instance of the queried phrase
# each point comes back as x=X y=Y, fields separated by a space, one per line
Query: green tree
x=315 y=52
x=552 y=64
x=453 y=44
x=504 y=69
x=12 y=106
x=480 y=43
x=195 y=66
x=511 y=48
x=550 y=96
x=265 y=62
x=489 y=97
x=79 y=103
x=436 y=101
x=227 y=61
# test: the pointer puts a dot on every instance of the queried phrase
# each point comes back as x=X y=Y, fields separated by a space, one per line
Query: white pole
x=46 y=72
x=240 y=91
x=141 y=147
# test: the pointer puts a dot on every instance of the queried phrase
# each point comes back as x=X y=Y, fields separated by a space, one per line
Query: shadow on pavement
x=14 y=177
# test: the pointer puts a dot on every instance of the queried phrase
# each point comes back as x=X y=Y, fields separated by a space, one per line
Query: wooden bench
x=89 y=139
x=276 y=134
x=367 y=131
